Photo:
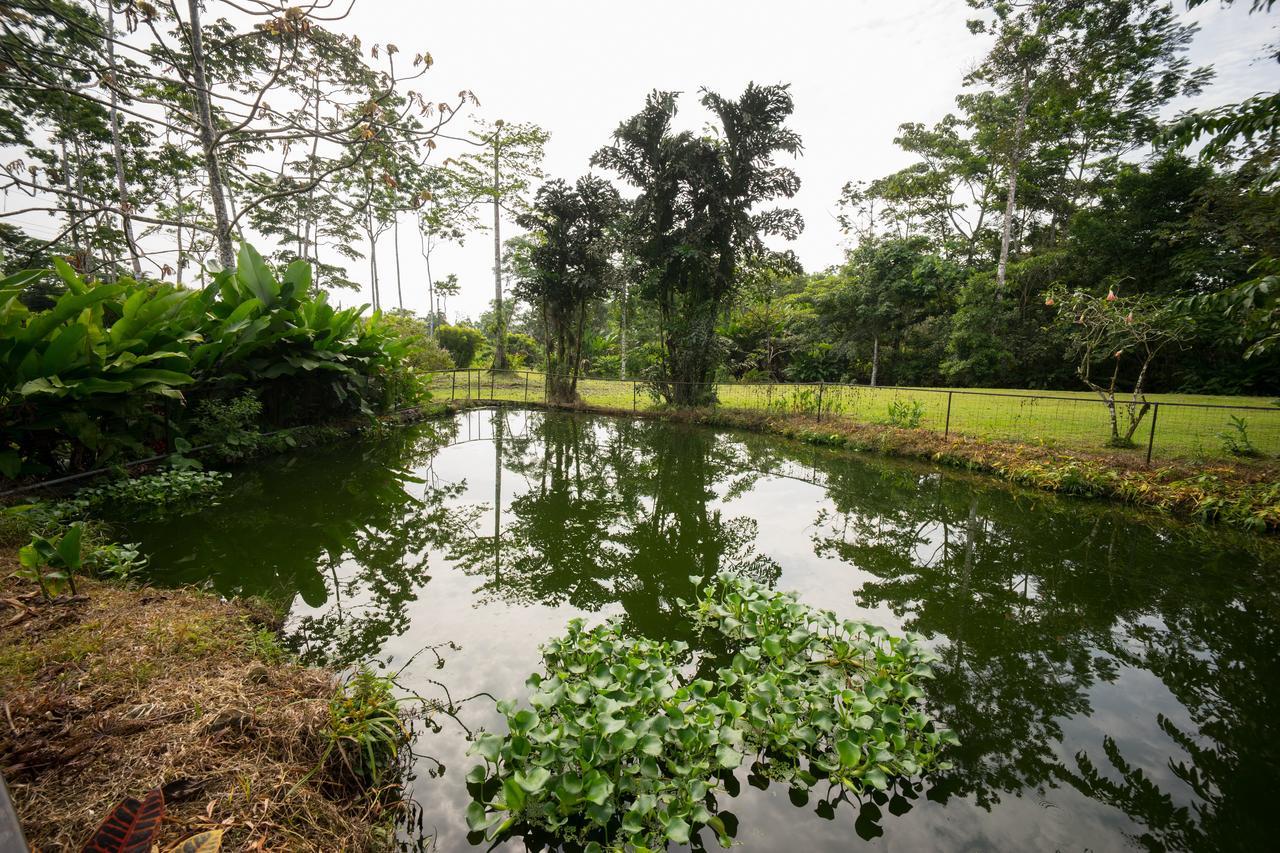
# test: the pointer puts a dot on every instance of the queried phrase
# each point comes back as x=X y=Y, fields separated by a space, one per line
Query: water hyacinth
x=625 y=746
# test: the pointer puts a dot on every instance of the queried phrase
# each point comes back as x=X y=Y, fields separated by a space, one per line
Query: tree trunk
x=431 y=287
x=396 y=240
x=208 y=136
x=500 y=320
x=117 y=152
x=73 y=210
x=622 y=323
x=373 y=260
x=875 y=359
x=1010 y=204
x=689 y=342
x=497 y=495
x=577 y=350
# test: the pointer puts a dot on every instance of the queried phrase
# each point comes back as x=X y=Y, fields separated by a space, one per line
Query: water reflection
x=1112 y=678
x=613 y=512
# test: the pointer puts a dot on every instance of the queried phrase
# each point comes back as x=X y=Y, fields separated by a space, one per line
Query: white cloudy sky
x=858 y=69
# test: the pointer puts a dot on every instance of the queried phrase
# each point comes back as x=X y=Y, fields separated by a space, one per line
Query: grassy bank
x=118 y=691
x=115 y=691
x=1190 y=427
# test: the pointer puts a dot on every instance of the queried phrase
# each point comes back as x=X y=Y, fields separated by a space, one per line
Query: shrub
x=228 y=426
x=461 y=342
x=422 y=352
x=906 y=414
x=1235 y=439
x=523 y=351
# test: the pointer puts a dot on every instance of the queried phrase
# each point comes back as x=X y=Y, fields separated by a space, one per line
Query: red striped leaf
x=131 y=826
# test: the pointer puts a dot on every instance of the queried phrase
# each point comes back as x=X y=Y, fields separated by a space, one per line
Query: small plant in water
x=151 y=495
x=122 y=561
x=364 y=732
x=625 y=745
x=1235 y=439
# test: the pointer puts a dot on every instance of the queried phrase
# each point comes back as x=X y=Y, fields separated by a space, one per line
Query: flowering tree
x=1118 y=334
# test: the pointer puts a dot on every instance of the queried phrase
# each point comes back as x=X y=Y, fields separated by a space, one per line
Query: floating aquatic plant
x=626 y=740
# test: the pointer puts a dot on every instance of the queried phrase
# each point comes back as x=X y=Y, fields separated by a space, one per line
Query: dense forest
x=1065 y=220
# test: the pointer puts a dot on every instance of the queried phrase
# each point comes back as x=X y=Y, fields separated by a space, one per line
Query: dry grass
x=124 y=690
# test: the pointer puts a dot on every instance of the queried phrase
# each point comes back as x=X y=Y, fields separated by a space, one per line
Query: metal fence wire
x=1150 y=428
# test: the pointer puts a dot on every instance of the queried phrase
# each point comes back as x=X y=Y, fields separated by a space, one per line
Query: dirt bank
x=119 y=691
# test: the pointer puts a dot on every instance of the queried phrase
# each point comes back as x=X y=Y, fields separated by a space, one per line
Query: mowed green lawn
x=1187 y=425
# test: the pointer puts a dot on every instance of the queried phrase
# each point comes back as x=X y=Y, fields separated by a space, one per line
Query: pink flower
x=1048 y=301
x=1111 y=296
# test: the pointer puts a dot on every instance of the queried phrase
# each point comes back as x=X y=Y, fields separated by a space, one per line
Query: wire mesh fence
x=1152 y=428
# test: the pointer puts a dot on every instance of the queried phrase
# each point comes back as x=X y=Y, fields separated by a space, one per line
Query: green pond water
x=1114 y=678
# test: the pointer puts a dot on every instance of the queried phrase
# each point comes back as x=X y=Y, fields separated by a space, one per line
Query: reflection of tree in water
x=349 y=532
x=615 y=511
x=1215 y=650
x=1031 y=612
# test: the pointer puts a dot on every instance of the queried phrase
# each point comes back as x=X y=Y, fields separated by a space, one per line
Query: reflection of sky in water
x=1051 y=615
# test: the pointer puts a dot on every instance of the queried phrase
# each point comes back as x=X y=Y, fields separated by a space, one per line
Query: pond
x=1113 y=677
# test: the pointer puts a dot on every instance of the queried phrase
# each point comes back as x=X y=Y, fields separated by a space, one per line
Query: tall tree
x=502 y=168
x=205 y=85
x=567 y=268
x=696 y=221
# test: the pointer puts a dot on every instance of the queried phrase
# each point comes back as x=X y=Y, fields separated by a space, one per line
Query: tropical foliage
x=112 y=370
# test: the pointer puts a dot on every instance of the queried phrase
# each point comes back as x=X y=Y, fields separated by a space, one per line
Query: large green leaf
x=255 y=275
x=298 y=274
x=62 y=353
x=19 y=280
x=69 y=547
x=73 y=281
x=67 y=307
x=156 y=376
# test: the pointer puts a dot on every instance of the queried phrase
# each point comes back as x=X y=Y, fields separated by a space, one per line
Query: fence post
x=526 y=386
x=821 y=387
x=453 y=385
x=633 y=397
x=493 y=379
x=946 y=431
x=1151 y=437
